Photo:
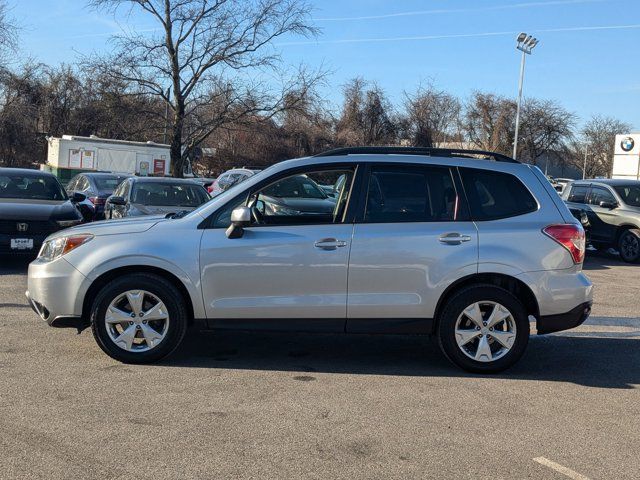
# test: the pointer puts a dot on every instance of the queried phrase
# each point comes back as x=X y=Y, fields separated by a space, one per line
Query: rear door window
x=578 y=194
x=493 y=195
x=400 y=193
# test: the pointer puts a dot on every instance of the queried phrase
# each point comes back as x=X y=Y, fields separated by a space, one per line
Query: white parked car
x=230 y=178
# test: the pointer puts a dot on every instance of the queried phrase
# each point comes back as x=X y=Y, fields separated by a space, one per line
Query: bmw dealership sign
x=626 y=158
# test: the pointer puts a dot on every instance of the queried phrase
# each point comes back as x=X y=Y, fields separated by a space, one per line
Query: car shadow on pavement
x=603 y=260
x=604 y=362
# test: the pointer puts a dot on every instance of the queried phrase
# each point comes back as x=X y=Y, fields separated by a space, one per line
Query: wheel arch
x=517 y=287
x=621 y=229
x=109 y=275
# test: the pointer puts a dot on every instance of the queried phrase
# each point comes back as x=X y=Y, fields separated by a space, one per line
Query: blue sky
x=587 y=57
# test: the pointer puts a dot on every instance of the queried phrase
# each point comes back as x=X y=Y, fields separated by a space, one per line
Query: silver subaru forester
x=467 y=246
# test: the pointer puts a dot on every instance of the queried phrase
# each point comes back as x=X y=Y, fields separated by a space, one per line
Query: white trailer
x=626 y=157
x=72 y=154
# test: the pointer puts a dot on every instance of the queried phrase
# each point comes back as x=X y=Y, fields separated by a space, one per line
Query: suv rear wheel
x=629 y=245
x=483 y=329
x=139 y=318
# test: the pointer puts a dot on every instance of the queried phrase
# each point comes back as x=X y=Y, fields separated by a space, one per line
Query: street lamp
x=526 y=43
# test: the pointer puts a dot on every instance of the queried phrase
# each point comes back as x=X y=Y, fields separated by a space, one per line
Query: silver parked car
x=419 y=241
x=137 y=196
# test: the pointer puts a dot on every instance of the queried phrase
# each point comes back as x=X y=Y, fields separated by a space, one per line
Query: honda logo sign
x=22 y=227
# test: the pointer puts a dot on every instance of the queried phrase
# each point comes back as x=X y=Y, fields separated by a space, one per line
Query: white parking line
x=559 y=468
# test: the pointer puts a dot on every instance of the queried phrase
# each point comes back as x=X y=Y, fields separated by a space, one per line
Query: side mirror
x=116 y=200
x=609 y=205
x=78 y=197
x=240 y=218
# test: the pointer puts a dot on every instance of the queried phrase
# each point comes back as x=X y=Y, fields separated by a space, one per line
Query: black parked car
x=97 y=186
x=33 y=205
x=613 y=211
x=155 y=196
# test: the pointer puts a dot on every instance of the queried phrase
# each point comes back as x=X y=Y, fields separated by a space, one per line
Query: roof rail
x=426 y=151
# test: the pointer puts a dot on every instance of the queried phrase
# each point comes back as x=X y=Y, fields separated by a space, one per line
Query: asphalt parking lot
x=238 y=405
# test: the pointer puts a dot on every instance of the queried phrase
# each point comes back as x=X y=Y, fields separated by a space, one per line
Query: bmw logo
x=627 y=144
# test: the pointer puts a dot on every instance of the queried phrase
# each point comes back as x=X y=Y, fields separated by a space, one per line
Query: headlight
x=68 y=223
x=56 y=247
x=281 y=210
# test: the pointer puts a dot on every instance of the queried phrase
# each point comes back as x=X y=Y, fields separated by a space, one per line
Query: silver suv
x=468 y=246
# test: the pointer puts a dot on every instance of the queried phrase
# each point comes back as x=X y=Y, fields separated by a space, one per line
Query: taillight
x=571 y=237
x=97 y=200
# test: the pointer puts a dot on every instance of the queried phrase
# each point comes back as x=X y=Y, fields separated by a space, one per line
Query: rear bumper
x=564 y=321
x=559 y=291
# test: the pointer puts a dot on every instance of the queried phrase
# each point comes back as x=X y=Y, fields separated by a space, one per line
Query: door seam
x=346 y=305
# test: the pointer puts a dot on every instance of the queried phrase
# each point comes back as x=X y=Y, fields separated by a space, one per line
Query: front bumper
x=60 y=321
x=56 y=291
x=564 y=321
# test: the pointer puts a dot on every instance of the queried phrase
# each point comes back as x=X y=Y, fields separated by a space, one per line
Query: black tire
x=629 y=245
x=163 y=290
x=465 y=298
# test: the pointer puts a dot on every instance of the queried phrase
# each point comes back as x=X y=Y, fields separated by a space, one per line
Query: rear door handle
x=329 y=244
x=454 y=238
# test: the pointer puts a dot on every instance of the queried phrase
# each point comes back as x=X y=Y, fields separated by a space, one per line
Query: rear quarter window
x=493 y=195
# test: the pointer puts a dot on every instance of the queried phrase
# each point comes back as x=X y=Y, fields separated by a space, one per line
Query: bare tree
x=307 y=125
x=367 y=116
x=432 y=115
x=488 y=122
x=350 y=124
x=546 y=130
x=204 y=59
x=8 y=33
x=596 y=143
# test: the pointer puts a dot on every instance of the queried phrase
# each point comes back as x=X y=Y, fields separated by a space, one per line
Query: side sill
x=391 y=326
x=387 y=326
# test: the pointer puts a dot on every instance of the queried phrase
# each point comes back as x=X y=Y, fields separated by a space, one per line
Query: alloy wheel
x=629 y=246
x=137 y=321
x=485 y=331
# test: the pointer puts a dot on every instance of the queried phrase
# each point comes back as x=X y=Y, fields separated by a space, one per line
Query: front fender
x=175 y=251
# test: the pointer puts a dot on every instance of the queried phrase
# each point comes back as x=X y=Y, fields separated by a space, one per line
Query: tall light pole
x=526 y=43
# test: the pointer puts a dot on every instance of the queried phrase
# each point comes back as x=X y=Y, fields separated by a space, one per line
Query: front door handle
x=329 y=244
x=454 y=238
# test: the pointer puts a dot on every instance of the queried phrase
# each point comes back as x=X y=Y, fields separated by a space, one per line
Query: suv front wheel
x=139 y=318
x=483 y=329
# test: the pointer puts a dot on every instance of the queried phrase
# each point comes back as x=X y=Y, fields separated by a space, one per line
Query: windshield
x=30 y=186
x=630 y=194
x=105 y=182
x=169 y=194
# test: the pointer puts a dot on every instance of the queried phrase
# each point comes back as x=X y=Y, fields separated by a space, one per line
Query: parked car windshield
x=169 y=194
x=34 y=187
x=630 y=194
x=295 y=187
x=107 y=182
